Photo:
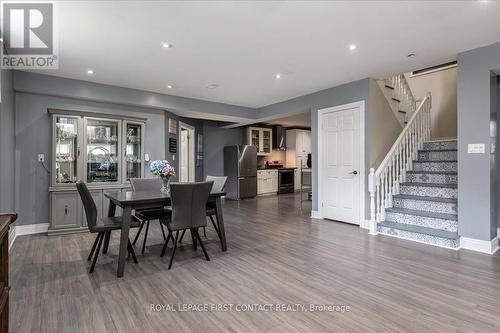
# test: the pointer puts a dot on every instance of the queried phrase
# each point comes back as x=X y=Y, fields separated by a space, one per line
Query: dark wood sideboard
x=5 y=221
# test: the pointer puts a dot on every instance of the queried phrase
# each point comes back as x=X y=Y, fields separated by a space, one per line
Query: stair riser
x=432 y=240
x=440 y=145
x=435 y=166
x=431 y=178
x=441 y=192
x=449 y=155
x=423 y=221
x=426 y=205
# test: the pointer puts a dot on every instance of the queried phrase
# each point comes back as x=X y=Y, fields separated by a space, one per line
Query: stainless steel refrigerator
x=240 y=167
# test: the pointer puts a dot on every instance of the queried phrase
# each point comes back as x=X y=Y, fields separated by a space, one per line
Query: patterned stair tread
x=424 y=213
x=436 y=161
x=435 y=150
x=451 y=185
x=434 y=172
x=425 y=198
x=420 y=230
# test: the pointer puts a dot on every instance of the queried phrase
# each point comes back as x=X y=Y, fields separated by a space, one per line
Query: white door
x=341 y=165
x=184 y=162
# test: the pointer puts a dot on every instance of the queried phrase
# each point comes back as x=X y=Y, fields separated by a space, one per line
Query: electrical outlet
x=41 y=158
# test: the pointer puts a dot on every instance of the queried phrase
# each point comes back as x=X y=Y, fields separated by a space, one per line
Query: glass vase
x=165 y=188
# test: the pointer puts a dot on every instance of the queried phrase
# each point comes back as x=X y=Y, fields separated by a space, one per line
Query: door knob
x=354 y=172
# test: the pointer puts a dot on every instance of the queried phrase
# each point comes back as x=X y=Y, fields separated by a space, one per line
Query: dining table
x=130 y=200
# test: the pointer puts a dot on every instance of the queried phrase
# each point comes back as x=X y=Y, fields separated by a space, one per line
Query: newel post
x=371 y=189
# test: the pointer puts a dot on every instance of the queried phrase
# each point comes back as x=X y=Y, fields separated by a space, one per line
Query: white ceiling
x=241 y=45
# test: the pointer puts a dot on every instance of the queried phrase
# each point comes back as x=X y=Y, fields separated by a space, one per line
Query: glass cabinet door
x=255 y=137
x=266 y=141
x=66 y=149
x=102 y=150
x=133 y=150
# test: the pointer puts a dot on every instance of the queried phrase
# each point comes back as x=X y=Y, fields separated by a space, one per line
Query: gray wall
x=477 y=202
x=347 y=93
x=215 y=138
x=33 y=135
x=7 y=142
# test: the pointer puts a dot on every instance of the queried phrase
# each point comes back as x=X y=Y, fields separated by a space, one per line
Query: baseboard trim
x=316 y=215
x=479 y=245
x=30 y=229
x=365 y=224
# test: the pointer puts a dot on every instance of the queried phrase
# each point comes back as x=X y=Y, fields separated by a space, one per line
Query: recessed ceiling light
x=166 y=45
x=212 y=86
x=278 y=76
x=352 y=47
x=169 y=86
x=411 y=55
x=90 y=72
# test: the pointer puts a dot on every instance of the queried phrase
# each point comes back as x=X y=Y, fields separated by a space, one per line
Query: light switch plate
x=41 y=158
x=173 y=157
x=475 y=148
x=146 y=157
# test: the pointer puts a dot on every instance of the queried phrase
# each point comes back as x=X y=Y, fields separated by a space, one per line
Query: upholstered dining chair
x=219 y=184
x=150 y=214
x=100 y=226
x=189 y=205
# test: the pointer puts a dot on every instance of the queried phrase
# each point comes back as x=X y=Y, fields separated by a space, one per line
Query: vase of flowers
x=165 y=171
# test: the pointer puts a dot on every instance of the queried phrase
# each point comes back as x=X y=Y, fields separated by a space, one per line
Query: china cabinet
x=104 y=151
x=261 y=138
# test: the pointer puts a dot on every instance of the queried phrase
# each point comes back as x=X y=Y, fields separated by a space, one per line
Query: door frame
x=321 y=115
x=191 y=151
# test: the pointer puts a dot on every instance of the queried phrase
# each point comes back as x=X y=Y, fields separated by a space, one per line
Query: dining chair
x=189 y=211
x=100 y=226
x=219 y=184
x=150 y=214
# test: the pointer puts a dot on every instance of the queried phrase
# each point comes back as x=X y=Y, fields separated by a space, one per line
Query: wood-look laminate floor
x=276 y=254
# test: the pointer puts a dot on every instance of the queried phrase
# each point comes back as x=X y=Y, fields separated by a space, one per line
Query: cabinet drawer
x=66 y=210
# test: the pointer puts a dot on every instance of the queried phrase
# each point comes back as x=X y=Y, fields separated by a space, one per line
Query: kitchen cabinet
x=298 y=145
x=100 y=151
x=262 y=138
x=267 y=181
x=297 y=180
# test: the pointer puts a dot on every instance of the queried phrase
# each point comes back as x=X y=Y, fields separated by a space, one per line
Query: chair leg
x=205 y=232
x=218 y=231
x=182 y=236
x=193 y=238
x=173 y=252
x=94 y=246
x=163 y=231
x=101 y=237
x=131 y=251
x=138 y=233
x=145 y=237
x=105 y=246
x=202 y=246
x=215 y=226
x=166 y=243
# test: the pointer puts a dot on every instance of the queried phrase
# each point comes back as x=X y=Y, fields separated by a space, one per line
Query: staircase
x=425 y=209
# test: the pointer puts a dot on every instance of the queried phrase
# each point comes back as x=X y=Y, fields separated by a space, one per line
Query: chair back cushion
x=146 y=184
x=88 y=204
x=219 y=183
x=189 y=202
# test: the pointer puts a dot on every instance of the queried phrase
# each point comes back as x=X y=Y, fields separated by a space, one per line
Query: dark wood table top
x=131 y=198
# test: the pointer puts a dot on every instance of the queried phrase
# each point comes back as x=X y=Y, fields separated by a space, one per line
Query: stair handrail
x=383 y=183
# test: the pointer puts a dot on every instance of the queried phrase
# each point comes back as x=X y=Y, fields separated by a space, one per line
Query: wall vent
x=433 y=69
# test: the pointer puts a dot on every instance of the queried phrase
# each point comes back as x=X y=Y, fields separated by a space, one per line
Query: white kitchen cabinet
x=267 y=181
x=262 y=138
x=298 y=146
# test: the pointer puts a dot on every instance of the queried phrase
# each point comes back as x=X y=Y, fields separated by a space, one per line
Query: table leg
x=127 y=217
x=220 y=219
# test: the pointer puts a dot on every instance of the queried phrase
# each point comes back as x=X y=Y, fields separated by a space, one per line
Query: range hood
x=279 y=138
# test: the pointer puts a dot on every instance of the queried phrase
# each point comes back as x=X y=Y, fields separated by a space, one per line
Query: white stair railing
x=402 y=92
x=384 y=182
